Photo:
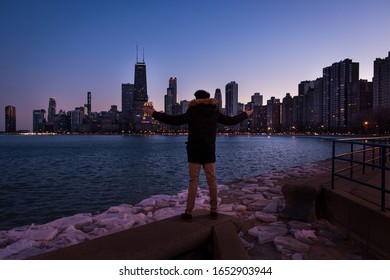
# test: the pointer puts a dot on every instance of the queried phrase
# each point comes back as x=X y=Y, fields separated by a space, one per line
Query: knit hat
x=202 y=94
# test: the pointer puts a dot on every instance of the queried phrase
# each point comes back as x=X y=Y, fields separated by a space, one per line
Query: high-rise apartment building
x=259 y=119
x=314 y=106
x=10 y=119
x=231 y=99
x=52 y=111
x=127 y=101
x=340 y=94
x=366 y=116
x=62 y=123
x=273 y=115
x=366 y=97
x=287 y=113
x=381 y=87
x=77 y=118
x=257 y=99
x=39 y=120
x=303 y=88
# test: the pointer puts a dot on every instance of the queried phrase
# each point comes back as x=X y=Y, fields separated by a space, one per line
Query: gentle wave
x=48 y=177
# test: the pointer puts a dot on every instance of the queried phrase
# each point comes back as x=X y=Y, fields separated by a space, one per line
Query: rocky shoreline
x=256 y=202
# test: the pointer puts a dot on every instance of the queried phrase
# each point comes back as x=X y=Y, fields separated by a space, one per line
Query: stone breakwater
x=255 y=201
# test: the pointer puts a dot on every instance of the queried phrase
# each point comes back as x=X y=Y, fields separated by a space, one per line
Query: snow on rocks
x=264 y=217
x=17 y=247
x=287 y=244
x=258 y=199
x=268 y=233
x=223 y=188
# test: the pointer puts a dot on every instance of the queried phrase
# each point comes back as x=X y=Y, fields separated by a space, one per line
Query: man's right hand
x=248 y=112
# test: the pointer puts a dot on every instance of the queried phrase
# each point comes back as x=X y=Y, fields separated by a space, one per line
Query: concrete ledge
x=359 y=219
x=166 y=239
x=226 y=245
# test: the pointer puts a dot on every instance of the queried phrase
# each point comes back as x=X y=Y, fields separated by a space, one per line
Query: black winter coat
x=202 y=117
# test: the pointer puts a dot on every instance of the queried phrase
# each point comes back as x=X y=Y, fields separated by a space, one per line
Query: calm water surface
x=47 y=177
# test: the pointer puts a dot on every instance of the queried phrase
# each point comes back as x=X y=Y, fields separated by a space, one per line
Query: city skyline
x=265 y=47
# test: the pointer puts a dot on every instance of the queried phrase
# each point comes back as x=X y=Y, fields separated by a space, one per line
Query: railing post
x=383 y=178
x=364 y=158
x=351 y=164
x=333 y=159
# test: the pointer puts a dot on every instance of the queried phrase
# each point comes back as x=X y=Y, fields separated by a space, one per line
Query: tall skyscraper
x=257 y=99
x=170 y=99
x=140 y=89
x=273 y=115
x=366 y=97
x=314 y=106
x=10 y=119
x=89 y=101
x=52 y=111
x=231 y=99
x=381 y=87
x=127 y=101
x=77 y=118
x=218 y=96
x=341 y=94
x=366 y=116
x=39 y=120
x=303 y=88
x=287 y=113
x=259 y=119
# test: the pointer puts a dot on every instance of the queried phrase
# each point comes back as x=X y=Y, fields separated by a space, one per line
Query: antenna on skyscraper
x=143 y=55
x=137 y=53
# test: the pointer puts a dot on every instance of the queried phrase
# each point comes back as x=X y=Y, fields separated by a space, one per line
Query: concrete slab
x=165 y=239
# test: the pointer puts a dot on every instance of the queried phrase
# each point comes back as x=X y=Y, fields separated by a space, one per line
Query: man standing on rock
x=202 y=117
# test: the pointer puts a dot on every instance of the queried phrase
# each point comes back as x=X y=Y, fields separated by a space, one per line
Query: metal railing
x=363 y=153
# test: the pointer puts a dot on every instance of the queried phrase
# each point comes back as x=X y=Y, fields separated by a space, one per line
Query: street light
x=366 y=126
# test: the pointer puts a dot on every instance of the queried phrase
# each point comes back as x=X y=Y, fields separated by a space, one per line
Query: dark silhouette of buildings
x=273 y=115
x=337 y=102
x=231 y=99
x=39 y=121
x=10 y=119
x=340 y=95
x=52 y=110
x=170 y=99
x=51 y=114
x=89 y=101
x=381 y=88
x=218 y=96
x=134 y=98
x=140 y=92
x=127 y=106
x=287 y=113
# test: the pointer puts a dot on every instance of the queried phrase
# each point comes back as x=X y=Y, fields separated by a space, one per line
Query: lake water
x=47 y=177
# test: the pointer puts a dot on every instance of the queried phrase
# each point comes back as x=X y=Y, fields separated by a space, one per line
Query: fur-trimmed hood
x=207 y=102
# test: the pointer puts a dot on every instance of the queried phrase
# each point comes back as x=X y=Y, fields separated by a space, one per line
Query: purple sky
x=64 y=49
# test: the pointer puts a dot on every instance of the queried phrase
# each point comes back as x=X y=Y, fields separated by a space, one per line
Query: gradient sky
x=64 y=49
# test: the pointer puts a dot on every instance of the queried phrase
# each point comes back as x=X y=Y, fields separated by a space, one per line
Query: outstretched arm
x=165 y=118
x=226 y=120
